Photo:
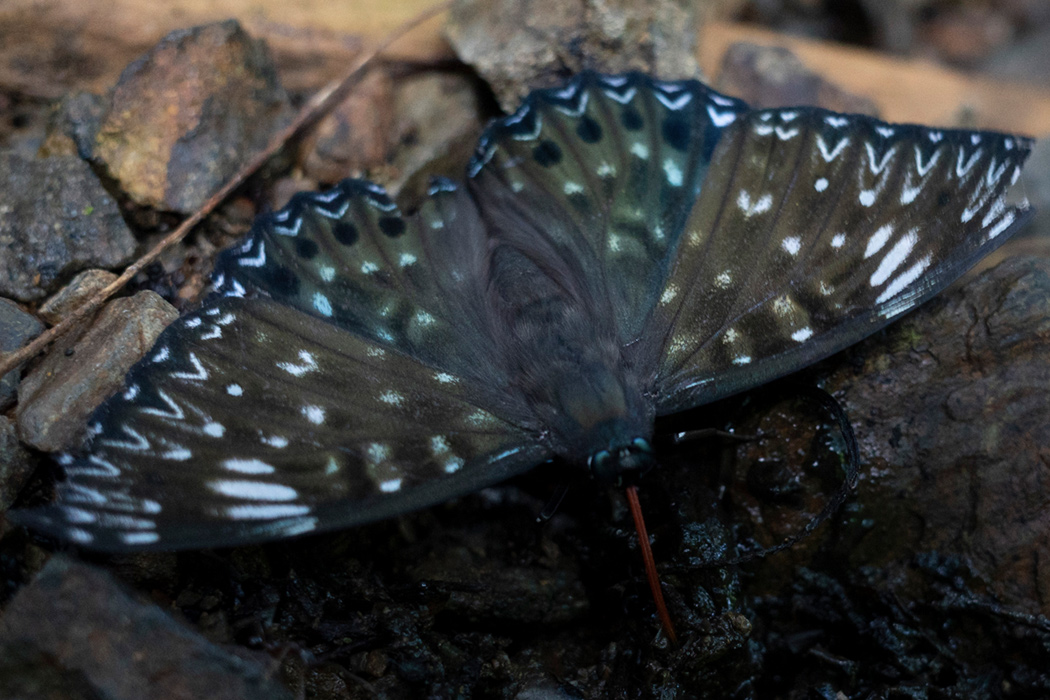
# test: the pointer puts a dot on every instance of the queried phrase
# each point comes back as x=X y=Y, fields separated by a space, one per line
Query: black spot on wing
x=345 y=232
x=631 y=118
x=677 y=132
x=589 y=130
x=392 y=226
x=547 y=153
x=306 y=248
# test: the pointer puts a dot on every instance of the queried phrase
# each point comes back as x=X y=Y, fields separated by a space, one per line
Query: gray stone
x=15 y=466
x=55 y=219
x=517 y=45
x=80 y=289
x=768 y=77
x=73 y=125
x=16 y=329
x=81 y=620
x=58 y=396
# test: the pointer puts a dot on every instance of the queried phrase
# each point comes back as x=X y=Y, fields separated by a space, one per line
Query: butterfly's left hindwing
x=250 y=421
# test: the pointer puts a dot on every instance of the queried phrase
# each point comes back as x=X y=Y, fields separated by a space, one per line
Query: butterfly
x=622 y=248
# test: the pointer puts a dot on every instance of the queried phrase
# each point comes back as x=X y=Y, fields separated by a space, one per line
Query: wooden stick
x=318 y=106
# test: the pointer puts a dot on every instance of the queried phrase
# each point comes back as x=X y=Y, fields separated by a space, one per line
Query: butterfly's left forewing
x=813 y=230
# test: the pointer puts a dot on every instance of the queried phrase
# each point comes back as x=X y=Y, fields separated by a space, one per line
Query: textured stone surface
x=82 y=621
x=55 y=219
x=16 y=329
x=72 y=127
x=356 y=136
x=15 y=466
x=188 y=114
x=952 y=417
x=517 y=45
x=772 y=76
x=80 y=289
x=439 y=121
x=56 y=398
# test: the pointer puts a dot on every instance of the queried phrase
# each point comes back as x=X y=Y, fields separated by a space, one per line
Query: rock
x=82 y=621
x=55 y=219
x=953 y=424
x=188 y=114
x=58 y=395
x=15 y=466
x=72 y=127
x=16 y=329
x=356 y=136
x=80 y=289
x=518 y=45
x=772 y=76
x=439 y=121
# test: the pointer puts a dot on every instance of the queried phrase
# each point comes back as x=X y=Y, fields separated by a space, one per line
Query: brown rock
x=953 y=421
x=78 y=618
x=57 y=397
x=80 y=289
x=520 y=45
x=55 y=219
x=439 y=122
x=188 y=114
x=772 y=76
x=356 y=136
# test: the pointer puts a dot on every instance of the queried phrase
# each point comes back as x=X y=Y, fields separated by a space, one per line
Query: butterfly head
x=620 y=464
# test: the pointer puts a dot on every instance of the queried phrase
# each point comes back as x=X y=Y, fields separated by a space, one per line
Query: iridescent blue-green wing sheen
x=814 y=229
x=594 y=181
x=347 y=375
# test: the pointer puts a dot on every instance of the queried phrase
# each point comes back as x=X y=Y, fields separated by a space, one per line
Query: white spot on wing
x=878 y=240
x=720 y=119
x=837 y=240
x=248 y=466
x=903 y=280
x=792 y=244
x=234 y=389
x=214 y=429
x=314 y=414
x=821 y=184
x=390 y=485
x=322 y=304
x=253 y=490
x=759 y=206
x=673 y=172
x=307 y=364
x=802 y=334
x=894 y=259
x=640 y=149
x=266 y=512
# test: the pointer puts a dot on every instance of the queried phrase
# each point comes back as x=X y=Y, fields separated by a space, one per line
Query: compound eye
x=600 y=459
x=642 y=445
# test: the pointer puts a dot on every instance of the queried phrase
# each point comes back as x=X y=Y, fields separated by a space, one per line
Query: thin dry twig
x=318 y=106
